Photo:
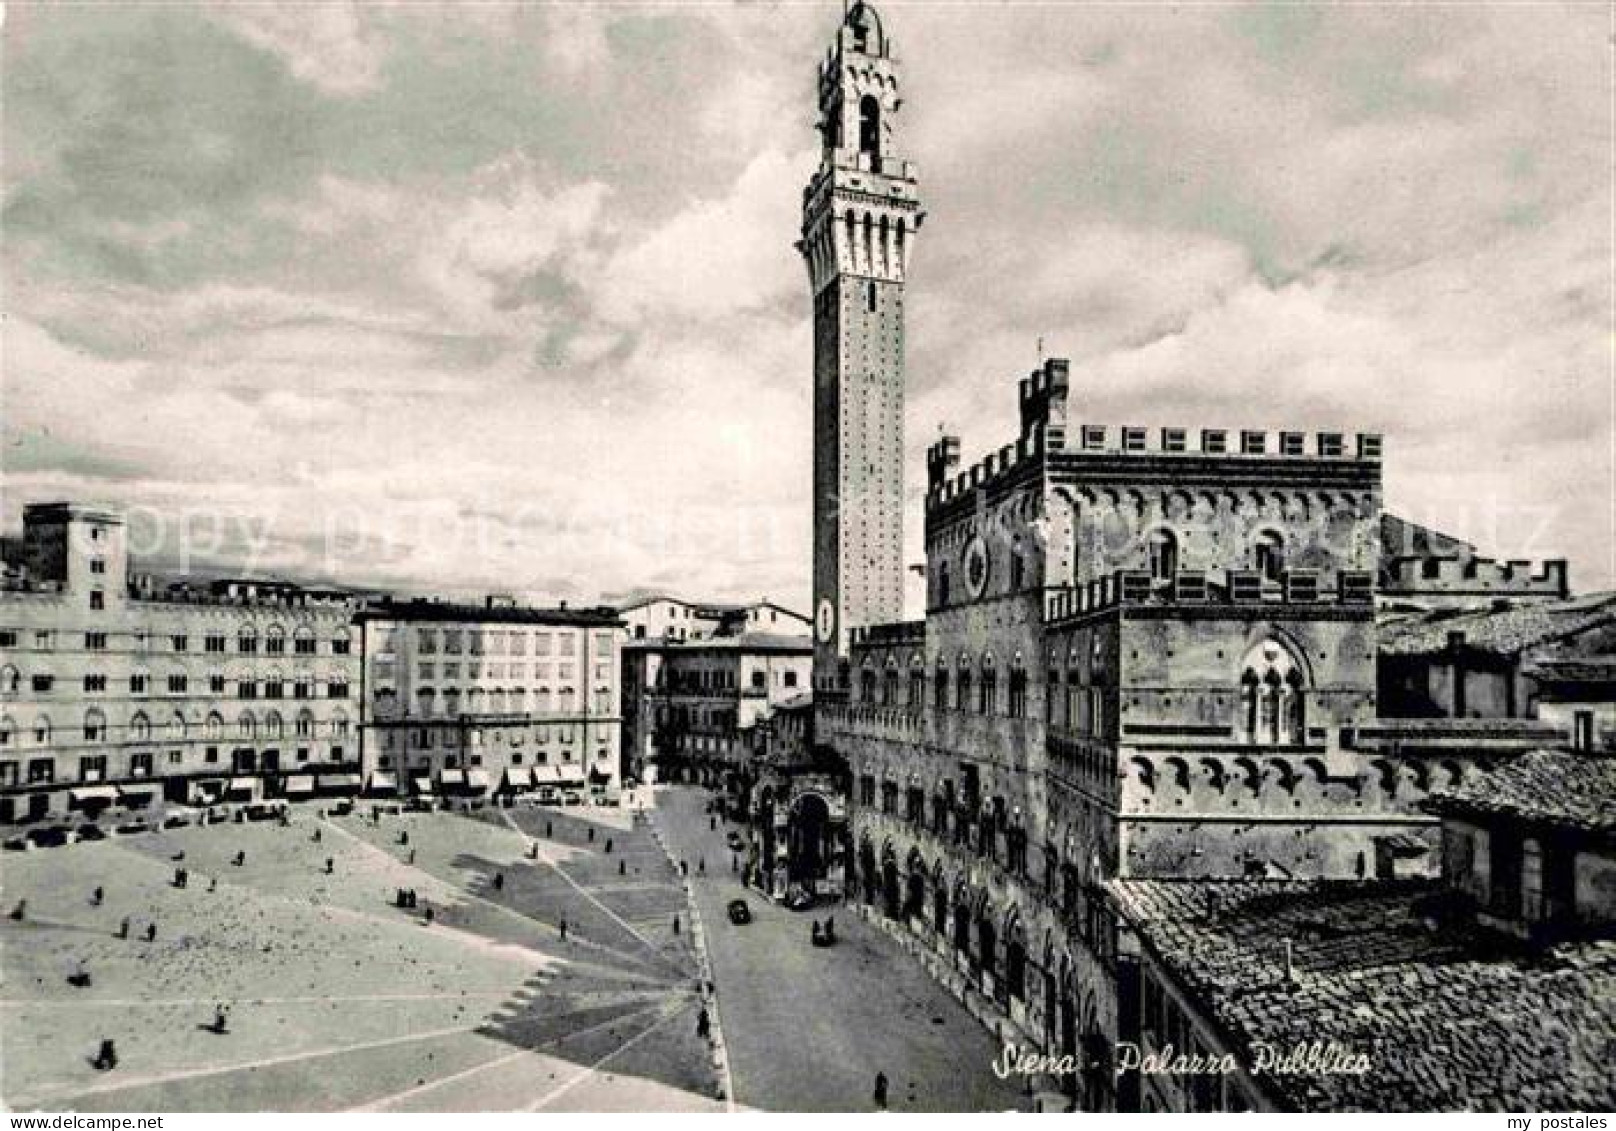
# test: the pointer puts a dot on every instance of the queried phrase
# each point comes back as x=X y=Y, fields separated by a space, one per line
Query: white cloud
x=325 y=44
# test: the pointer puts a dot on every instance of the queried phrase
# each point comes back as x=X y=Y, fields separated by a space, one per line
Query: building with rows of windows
x=689 y=705
x=113 y=696
x=468 y=701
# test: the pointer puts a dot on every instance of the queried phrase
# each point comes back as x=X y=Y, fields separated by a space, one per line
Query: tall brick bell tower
x=860 y=213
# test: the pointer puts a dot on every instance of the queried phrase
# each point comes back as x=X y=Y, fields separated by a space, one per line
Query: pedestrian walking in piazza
x=622 y=867
x=330 y=865
x=20 y=912
x=881 y=1090
x=676 y=924
x=608 y=846
x=712 y=824
x=107 y=1058
x=563 y=930
x=412 y=856
x=213 y=883
x=241 y=857
x=547 y=828
x=499 y=881
x=701 y=865
x=430 y=915
x=684 y=867
x=151 y=932
x=123 y=928
x=317 y=834
x=220 y=1021
x=591 y=834
x=704 y=1024
x=96 y=897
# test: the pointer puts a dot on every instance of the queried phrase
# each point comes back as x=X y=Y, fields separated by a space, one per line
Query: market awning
x=339 y=783
x=210 y=788
x=241 y=785
x=300 y=784
x=477 y=779
x=381 y=783
x=518 y=777
x=87 y=793
x=452 y=777
x=423 y=785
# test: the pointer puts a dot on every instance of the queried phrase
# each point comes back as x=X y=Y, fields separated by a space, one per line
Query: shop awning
x=423 y=785
x=300 y=784
x=139 y=794
x=477 y=779
x=241 y=785
x=339 y=782
x=381 y=783
x=518 y=777
x=85 y=793
x=209 y=788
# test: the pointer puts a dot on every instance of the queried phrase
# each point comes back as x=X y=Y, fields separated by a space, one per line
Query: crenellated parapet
x=1194 y=588
x=1449 y=577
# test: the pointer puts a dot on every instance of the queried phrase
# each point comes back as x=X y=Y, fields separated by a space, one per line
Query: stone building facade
x=464 y=702
x=114 y=696
x=689 y=705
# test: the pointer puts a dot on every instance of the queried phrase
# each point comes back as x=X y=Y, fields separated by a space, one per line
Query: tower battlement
x=1043 y=400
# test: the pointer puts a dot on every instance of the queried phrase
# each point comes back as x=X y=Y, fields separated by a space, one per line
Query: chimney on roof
x=1456 y=640
x=1290 y=964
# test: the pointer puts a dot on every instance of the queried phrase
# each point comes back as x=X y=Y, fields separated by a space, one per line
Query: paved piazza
x=339 y=1000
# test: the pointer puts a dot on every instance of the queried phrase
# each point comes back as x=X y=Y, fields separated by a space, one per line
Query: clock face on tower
x=976 y=566
x=825 y=622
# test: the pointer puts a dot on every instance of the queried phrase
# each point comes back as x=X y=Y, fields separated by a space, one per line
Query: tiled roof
x=1545 y=787
x=448 y=611
x=1505 y=632
x=1446 y=1022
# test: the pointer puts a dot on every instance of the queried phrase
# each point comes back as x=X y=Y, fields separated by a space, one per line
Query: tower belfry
x=860 y=213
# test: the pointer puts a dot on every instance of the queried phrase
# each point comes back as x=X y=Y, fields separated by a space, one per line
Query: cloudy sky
x=454 y=297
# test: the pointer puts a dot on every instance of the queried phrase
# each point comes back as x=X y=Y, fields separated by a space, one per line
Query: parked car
x=739 y=912
x=341 y=808
x=734 y=841
x=177 y=821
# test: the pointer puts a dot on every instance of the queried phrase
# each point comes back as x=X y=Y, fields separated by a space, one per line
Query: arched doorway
x=891 y=891
x=867 y=884
x=914 y=904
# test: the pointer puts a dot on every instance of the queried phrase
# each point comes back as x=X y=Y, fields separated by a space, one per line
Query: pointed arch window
x=1273 y=696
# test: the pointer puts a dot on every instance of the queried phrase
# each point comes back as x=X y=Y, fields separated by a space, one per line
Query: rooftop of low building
x=1506 y=630
x=1449 y=1017
x=422 y=609
x=740 y=642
